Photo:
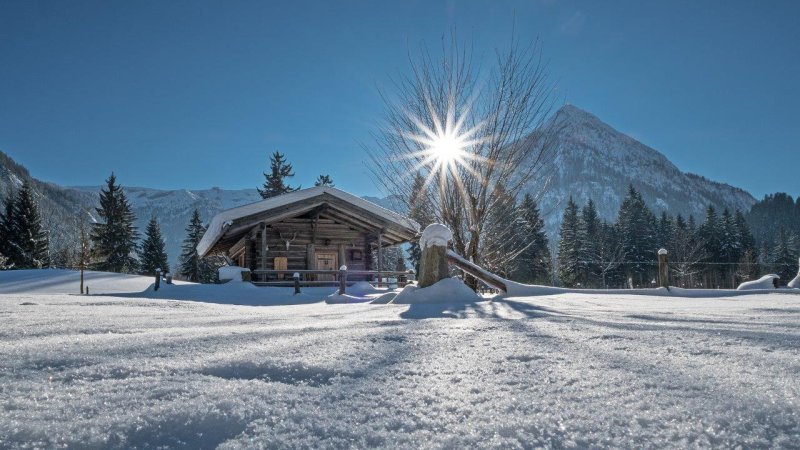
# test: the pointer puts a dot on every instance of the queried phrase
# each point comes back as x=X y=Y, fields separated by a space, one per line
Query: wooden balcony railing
x=341 y=278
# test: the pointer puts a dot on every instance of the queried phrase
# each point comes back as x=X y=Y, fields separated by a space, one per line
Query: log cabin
x=314 y=229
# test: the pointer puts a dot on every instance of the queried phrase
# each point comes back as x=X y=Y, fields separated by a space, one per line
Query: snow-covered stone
x=765 y=282
x=435 y=234
x=448 y=290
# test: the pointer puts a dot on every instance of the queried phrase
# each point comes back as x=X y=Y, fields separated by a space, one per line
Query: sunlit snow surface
x=567 y=370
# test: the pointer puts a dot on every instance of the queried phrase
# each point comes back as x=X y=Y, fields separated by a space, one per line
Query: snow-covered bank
x=570 y=370
x=517 y=289
x=61 y=281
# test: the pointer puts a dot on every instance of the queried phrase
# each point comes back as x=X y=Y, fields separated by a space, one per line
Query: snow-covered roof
x=217 y=227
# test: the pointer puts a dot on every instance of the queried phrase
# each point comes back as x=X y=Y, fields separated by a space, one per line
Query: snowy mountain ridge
x=594 y=160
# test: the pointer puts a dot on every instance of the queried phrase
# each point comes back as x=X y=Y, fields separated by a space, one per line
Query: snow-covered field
x=568 y=370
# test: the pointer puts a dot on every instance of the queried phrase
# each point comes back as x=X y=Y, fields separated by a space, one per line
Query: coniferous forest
x=720 y=250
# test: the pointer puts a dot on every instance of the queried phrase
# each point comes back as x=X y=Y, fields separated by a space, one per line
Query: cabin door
x=326 y=261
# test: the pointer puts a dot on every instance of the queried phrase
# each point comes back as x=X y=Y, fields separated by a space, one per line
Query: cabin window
x=356 y=255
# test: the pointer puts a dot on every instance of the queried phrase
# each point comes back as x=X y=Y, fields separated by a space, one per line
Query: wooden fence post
x=158 y=279
x=663 y=268
x=342 y=279
x=433 y=264
x=296 y=283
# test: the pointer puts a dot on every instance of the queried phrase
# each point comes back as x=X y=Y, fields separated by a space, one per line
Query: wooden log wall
x=307 y=238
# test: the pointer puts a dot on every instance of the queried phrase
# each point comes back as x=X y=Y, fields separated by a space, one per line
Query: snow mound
x=765 y=282
x=449 y=290
x=232 y=273
x=795 y=283
x=435 y=234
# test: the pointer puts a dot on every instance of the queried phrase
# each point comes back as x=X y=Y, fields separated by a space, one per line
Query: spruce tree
x=29 y=240
x=534 y=261
x=324 y=180
x=636 y=227
x=114 y=238
x=152 y=254
x=710 y=233
x=192 y=265
x=275 y=180
x=589 y=237
x=569 y=246
x=8 y=239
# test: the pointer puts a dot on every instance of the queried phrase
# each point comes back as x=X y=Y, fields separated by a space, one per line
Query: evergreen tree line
x=276 y=180
x=720 y=252
x=24 y=243
x=111 y=245
x=114 y=241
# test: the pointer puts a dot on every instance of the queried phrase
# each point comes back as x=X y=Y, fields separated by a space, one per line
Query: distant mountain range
x=593 y=161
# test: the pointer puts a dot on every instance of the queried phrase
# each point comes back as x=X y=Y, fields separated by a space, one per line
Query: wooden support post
x=342 y=279
x=81 y=279
x=663 y=268
x=433 y=264
x=296 y=283
x=158 y=279
x=311 y=256
x=380 y=256
x=342 y=255
x=264 y=247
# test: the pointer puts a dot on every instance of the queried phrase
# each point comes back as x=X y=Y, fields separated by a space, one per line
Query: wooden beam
x=380 y=253
x=263 y=245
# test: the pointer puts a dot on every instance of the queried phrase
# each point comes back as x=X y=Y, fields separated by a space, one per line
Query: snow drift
x=449 y=290
x=765 y=282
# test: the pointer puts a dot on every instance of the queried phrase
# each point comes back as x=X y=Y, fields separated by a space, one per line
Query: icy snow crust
x=216 y=227
x=566 y=370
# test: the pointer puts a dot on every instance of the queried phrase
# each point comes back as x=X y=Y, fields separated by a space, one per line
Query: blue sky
x=196 y=94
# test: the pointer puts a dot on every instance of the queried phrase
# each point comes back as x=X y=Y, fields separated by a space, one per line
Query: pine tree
x=710 y=233
x=152 y=254
x=324 y=180
x=569 y=246
x=275 y=181
x=114 y=238
x=589 y=237
x=534 y=261
x=8 y=246
x=193 y=267
x=28 y=238
x=636 y=227
x=419 y=210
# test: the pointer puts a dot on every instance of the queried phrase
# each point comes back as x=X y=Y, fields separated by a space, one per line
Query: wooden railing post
x=342 y=279
x=158 y=279
x=296 y=283
x=663 y=268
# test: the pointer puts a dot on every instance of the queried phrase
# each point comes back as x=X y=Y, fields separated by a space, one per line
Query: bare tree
x=688 y=254
x=479 y=136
